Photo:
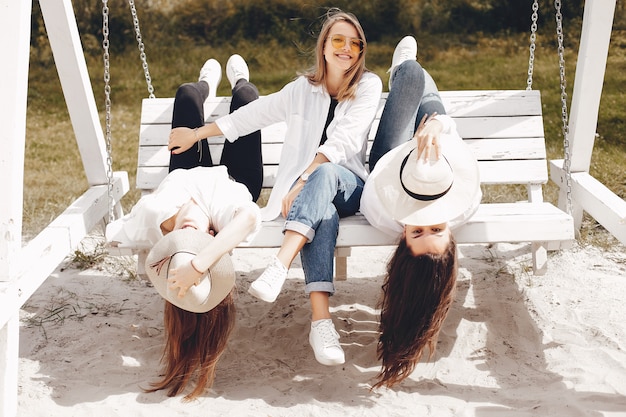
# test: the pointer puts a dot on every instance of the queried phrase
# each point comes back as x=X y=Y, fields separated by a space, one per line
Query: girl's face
x=189 y=215
x=342 y=47
x=427 y=239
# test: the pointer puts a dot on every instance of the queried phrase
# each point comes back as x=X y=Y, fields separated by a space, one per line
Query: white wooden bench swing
x=503 y=128
x=488 y=120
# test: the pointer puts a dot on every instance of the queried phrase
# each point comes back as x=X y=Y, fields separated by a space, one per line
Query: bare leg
x=293 y=242
x=320 y=307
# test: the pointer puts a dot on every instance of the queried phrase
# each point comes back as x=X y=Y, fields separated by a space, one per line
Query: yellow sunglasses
x=339 y=41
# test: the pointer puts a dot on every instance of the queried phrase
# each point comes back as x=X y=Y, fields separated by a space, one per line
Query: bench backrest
x=504 y=128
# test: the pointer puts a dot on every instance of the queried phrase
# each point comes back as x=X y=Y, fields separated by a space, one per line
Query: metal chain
x=107 y=104
x=142 y=49
x=533 y=41
x=566 y=144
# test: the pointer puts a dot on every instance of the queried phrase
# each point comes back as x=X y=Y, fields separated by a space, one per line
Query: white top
x=218 y=196
x=304 y=109
x=374 y=210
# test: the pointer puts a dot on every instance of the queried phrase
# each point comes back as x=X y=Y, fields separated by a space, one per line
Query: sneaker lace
x=405 y=54
x=274 y=274
x=328 y=335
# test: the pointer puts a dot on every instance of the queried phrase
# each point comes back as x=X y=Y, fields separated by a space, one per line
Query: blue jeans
x=413 y=94
x=331 y=192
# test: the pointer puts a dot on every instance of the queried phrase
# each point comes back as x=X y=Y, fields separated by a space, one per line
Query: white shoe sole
x=330 y=362
x=261 y=296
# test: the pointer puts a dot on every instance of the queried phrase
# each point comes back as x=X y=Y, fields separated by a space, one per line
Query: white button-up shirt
x=304 y=108
x=218 y=196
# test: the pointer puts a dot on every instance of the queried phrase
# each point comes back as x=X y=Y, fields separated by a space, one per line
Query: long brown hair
x=317 y=74
x=417 y=294
x=194 y=344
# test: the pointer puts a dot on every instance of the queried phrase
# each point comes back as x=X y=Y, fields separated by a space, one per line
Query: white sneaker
x=324 y=340
x=405 y=50
x=268 y=285
x=211 y=73
x=236 y=69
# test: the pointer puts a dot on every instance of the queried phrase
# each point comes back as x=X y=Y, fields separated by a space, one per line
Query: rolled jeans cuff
x=301 y=228
x=322 y=286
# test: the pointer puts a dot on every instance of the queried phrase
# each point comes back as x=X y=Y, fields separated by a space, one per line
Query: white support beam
x=70 y=63
x=592 y=196
x=14 y=50
x=590 y=69
x=52 y=245
x=9 y=342
x=14 y=20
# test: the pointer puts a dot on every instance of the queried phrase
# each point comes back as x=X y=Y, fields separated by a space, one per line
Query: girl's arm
x=237 y=230
x=253 y=116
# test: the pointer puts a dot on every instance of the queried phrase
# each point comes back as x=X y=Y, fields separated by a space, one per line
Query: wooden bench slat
x=518 y=172
x=498 y=222
x=492 y=150
x=500 y=127
x=495 y=103
x=507 y=149
x=513 y=172
x=148 y=178
x=470 y=103
x=517 y=222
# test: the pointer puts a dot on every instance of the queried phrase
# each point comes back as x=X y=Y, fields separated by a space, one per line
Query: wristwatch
x=304 y=176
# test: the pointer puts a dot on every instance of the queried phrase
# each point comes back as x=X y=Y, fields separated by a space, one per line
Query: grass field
x=54 y=175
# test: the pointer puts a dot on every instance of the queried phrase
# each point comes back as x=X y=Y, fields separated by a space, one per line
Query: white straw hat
x=177 y=248
x=424 y=193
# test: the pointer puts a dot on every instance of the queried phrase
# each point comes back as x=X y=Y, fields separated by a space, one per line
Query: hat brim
x=181 y=246
x=407 y=210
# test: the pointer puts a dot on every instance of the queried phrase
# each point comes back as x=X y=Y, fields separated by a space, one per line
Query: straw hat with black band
x=180 y=247
x=423 y=193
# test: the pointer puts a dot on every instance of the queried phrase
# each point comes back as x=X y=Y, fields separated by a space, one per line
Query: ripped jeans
x=331 y=192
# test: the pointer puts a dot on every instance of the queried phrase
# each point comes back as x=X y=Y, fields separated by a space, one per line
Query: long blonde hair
x=317 y=74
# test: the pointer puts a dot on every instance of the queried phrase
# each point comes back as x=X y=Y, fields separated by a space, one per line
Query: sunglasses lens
x=338 y=41
x=356 y=45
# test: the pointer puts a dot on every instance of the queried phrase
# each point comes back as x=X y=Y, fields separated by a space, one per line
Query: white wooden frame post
x=14 y=19
x=69 y=59
x=587 y=193
x=20 y=277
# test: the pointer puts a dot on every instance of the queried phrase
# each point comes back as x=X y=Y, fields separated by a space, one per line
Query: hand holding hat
x=184 y=277
x=174 y=252
x=431 y=188
x=427 y=137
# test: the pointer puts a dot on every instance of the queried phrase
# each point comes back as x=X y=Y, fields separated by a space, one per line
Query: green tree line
x=168 y=22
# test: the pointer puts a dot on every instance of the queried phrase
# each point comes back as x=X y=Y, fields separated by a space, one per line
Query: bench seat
x=504 y=129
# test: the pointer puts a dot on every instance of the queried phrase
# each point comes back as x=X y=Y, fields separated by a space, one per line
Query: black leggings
x=242 y=158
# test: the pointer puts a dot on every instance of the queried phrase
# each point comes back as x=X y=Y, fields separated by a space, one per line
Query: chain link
x=142 y=49
x=533 y=42
x=107 y=105
x=566 y=144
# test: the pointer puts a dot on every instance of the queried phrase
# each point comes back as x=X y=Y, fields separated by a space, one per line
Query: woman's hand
x=183 y=278
x=291 y=196
x=181 y=139
x=427 y=136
